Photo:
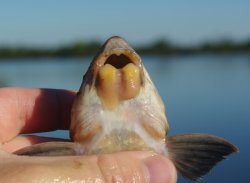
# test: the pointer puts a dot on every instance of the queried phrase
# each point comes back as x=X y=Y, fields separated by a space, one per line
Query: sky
x=53 y=23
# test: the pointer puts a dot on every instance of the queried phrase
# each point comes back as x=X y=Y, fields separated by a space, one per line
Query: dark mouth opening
x=118 y=61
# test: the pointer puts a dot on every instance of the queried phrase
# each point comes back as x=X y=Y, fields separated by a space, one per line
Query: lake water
x=202 y=93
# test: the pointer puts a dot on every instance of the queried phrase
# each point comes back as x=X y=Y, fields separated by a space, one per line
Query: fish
x=118 y=108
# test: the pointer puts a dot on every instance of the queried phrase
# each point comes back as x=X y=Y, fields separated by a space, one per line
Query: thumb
x=138 y=167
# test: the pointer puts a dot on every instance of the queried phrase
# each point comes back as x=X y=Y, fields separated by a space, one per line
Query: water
x=203 y=93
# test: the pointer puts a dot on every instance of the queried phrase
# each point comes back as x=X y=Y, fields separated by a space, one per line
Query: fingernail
x=160 y=170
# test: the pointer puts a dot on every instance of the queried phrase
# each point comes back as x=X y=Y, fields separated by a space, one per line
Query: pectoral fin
x=194 y=155
x=52 y=149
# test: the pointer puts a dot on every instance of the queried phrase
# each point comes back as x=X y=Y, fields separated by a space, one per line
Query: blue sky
x=50 y=22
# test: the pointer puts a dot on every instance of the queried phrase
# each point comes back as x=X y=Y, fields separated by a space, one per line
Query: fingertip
x=161 y=169
x=30 y=110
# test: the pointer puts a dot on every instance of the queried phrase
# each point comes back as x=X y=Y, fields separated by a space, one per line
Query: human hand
x=39 y=110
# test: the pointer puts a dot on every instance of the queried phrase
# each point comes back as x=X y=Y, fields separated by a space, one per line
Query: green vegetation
x=224 y=46
x=77 y=49
x=161 y=47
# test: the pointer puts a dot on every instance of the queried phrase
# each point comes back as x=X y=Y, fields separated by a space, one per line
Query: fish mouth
x=116 y=52
x=118 y=72
x=118 y=60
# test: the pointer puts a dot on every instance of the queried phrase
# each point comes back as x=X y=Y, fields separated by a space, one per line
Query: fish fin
x=52 y=149
x=194 y=155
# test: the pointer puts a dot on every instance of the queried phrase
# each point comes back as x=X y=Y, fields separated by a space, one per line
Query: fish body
x=118 y=108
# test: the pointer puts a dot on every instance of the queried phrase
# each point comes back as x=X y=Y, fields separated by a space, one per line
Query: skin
x=39 y=110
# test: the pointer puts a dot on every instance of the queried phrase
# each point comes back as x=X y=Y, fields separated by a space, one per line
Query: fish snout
x=119 y=73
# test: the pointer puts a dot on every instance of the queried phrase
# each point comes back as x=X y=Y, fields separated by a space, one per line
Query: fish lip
x=113 y=46
x=118 y=47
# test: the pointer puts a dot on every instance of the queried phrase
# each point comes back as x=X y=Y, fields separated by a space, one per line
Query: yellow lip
x=117 y=84
x=130 y=81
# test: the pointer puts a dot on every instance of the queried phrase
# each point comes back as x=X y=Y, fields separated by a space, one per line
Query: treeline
x=225 y=46
x=160 y=47
x=74 y=50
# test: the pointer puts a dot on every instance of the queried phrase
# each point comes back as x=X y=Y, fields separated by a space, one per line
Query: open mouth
x=118 y=61
x=117 y=53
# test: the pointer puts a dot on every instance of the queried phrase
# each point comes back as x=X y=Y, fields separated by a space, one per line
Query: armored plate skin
x=118 y=108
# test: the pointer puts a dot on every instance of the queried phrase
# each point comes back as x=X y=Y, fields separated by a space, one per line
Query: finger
x=19 y=142
x=120 y=167
x=33 y=110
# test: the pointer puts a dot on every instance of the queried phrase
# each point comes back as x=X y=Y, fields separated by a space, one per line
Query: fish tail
x=194 y=155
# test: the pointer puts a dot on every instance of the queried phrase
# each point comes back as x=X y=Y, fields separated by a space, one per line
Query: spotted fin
x=52 y=149
x=194 y=155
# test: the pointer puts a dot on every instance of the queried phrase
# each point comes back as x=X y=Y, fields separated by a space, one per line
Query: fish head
x=117 y=106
